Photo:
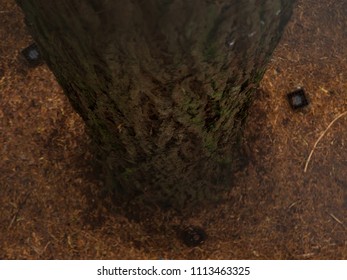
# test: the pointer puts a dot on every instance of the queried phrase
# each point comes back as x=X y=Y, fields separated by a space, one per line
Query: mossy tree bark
x=162 y=85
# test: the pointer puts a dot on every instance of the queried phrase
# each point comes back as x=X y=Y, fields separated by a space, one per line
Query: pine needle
x=320 y=137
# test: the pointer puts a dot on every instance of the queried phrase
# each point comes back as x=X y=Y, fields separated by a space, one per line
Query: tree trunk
x=162 y=85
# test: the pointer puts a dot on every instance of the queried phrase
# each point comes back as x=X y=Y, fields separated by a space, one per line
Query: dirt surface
x=51 y=201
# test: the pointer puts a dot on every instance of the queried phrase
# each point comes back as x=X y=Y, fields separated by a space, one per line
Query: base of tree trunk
x=163 y=86
x=186 y=180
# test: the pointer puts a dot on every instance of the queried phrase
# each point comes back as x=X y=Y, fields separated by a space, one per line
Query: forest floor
x=50 y=201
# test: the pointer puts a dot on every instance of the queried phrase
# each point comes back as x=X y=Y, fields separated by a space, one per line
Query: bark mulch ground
x=289 y=201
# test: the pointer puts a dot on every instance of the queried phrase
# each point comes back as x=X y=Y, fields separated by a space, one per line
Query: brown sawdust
x=51 y=201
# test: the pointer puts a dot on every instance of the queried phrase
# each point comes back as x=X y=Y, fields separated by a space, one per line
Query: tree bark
x=162 y=85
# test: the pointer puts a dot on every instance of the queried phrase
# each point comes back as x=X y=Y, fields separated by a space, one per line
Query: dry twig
x=19 y=208
x=337 y=220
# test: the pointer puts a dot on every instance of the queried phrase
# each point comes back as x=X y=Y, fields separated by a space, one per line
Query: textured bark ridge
x=162 y=85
